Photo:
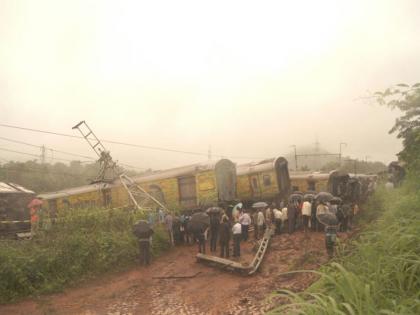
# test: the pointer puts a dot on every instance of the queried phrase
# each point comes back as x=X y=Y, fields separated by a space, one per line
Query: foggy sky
x=248 y=78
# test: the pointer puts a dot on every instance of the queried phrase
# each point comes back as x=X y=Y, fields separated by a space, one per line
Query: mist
x=245 y=80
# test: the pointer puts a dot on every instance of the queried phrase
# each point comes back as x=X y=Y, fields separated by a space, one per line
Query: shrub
x=381 y=275
x=82 y=243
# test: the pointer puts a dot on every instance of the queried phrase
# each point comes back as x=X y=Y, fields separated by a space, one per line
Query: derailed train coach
x=183 y=188
x=267 y=180
x=194 y=186
x=14 y=213
x=350 y=187
x=309 y=181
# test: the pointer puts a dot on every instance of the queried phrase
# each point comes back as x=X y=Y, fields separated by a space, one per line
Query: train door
x=283 y=177
x=106 y=197
x=157 y=193
x=311 y=185
x=225 y=171
x=187 y=191
x=255 y=186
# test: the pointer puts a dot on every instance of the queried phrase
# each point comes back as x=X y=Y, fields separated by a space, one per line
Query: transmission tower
x=109 y=172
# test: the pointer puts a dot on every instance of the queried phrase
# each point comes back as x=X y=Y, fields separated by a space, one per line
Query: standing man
x=260 y=222
x=321 y=209
x=214 y=231
x=161 y=215
x=268 y=217
x=169 y=228
x=313 y=215
x=237 y=231
x=224 y=237
x=306 y=214
x=245 y=221
x=255 y=223
x=292 y=212
x=277 y=220
x=145 y=238
x=201 y=239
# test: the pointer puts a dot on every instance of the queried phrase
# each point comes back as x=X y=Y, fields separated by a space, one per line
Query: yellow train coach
x=187 y=187
x=267 y=180
x=309 y=181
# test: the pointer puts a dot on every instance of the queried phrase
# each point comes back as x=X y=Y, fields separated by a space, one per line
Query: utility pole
x=43 y=154
x=340 y=157
x=296 y=163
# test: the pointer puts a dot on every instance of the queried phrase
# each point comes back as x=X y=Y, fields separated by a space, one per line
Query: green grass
x=379 y=272
x=84 y=243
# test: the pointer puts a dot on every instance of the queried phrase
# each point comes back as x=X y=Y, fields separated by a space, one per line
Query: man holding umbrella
x=198 y=225
x=143 y=232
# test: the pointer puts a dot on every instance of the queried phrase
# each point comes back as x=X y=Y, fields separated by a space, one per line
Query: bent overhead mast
x=109 y=171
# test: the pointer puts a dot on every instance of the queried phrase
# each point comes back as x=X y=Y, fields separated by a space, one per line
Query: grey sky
x=248 y=78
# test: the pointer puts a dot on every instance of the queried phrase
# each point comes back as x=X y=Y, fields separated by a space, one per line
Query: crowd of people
x=231 y=227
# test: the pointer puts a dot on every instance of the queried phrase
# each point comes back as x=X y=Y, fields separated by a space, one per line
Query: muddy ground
x=210 y=291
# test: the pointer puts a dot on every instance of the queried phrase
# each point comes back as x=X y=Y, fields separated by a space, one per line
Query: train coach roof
x=11 y=188
x=179 y=171
x=74 y=191
x=256 y=167
x=309 y=175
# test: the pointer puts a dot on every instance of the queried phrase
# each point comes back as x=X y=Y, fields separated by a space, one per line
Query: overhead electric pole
x=340 y=157
x=42 y=157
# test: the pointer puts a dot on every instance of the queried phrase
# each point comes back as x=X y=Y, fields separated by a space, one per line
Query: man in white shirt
x=306 y=214
x=321 y=209
x=277 y=219
x=245 y=221
x=260 y=222
x=237 y=235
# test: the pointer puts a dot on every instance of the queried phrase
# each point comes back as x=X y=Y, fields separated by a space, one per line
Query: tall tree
x=407 y=127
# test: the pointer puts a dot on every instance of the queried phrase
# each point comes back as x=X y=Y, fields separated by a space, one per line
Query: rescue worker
x=237 y=231
x=34 y=211
x=224 y=237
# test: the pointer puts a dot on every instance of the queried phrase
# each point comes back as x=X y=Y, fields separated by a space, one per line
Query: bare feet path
x=210 y=291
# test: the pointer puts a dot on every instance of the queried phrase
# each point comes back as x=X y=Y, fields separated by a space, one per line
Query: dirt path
x=210 y=292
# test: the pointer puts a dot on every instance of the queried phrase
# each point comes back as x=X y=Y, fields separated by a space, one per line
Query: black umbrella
x=309 y=197
x=214 y=210
x=199 y=221
x=142 y=229
x=297 y=192
x=296 y=197
x=327 y=218
x=260 y=204
x=323 y=197
x=336 y=201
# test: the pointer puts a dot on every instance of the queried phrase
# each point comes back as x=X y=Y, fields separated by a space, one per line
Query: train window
x=254 y=184
x=311 y=185
x=267 y=180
